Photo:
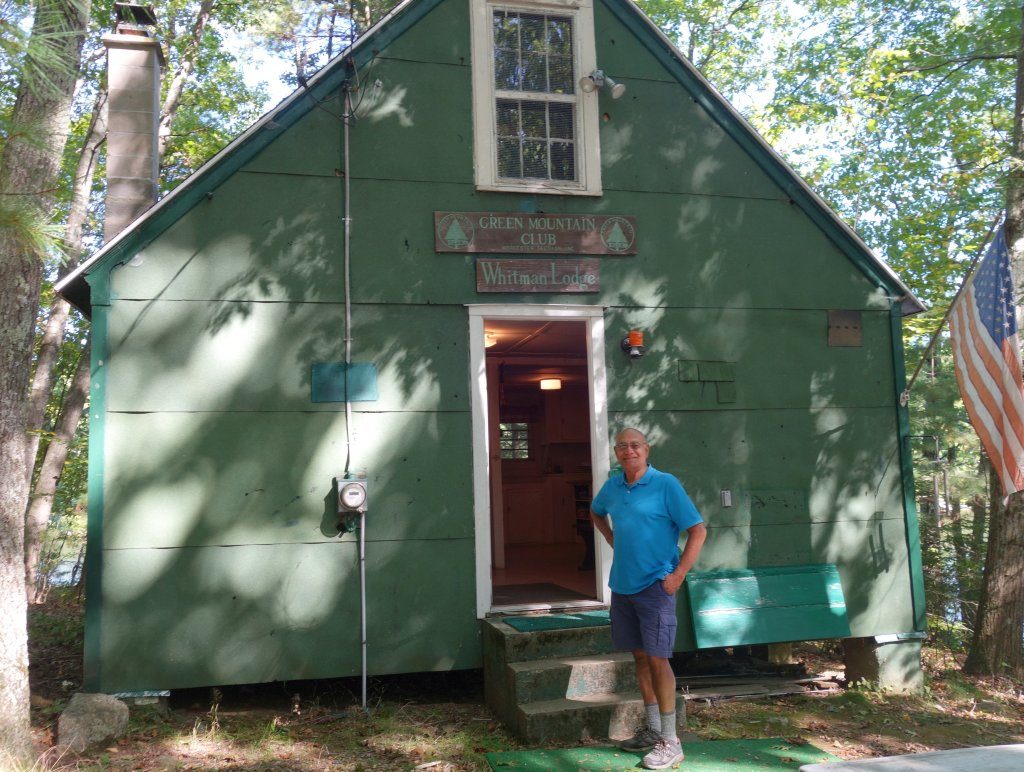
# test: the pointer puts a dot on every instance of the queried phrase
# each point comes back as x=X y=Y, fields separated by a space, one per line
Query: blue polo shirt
x=648 y=517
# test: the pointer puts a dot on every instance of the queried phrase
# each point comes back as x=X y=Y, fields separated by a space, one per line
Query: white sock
x=668 y=727
x=653 y=717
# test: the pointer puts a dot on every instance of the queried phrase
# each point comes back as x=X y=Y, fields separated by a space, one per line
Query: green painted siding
x=219 y=615
x=210 y=485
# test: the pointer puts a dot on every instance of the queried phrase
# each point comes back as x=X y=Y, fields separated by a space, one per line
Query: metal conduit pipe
x=348 y=361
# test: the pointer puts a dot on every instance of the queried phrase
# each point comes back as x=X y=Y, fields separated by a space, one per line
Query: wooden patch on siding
x=523 y=233
x=560 y=276
x=767 y=605
x=844 y=328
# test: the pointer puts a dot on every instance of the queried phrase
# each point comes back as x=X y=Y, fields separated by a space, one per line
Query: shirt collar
x=644 y=478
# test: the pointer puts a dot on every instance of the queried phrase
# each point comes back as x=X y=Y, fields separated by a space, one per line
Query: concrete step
x=504 y=645
x=510 y=645
x=595 y=716
x=573 y=677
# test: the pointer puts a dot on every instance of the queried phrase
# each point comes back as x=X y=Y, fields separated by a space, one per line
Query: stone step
x=595 y=716
x=510 y=645
x=573 y=677
x=503 y=645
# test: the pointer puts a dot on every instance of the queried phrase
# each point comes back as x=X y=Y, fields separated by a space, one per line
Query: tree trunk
x=40 y=504
x=53 y=332
x=186 y=65
x=997 y=647
x=28 y=177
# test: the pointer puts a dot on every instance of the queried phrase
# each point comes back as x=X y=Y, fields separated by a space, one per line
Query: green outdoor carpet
x=531 y=624
x=709 y=756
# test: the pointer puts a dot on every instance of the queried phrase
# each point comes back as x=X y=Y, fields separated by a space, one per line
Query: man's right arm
x=602 y=524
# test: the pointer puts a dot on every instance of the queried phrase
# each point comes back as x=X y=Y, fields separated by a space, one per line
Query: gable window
x=535 y=130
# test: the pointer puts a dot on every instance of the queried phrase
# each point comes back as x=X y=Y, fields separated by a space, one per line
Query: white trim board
x=599 y=446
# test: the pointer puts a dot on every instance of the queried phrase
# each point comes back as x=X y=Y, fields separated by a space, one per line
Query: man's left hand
x=672 y=582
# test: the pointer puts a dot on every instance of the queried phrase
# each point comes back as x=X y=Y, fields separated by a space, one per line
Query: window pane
x=535 y=76
x=533 y=36
x=534 y=52
x=563 y=161
x=535 y=158
x=508 y=117
x=506 y=30
x=560 y=75
x=509 y=163
x=561 y=123
x=560 y=35
x=507 y=74
x=535 y=123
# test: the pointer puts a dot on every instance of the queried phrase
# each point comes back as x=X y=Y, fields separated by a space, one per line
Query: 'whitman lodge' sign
x=498 y=275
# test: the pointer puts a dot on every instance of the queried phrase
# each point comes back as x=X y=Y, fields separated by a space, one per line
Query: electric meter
x=351 y=495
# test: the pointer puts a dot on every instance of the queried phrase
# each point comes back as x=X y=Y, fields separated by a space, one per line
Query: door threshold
x=555 y=606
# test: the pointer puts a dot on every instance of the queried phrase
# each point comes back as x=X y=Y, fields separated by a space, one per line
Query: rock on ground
x=90 y=719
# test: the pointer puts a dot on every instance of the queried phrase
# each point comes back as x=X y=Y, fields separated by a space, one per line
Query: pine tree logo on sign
x=617 y=234
x=455 y=230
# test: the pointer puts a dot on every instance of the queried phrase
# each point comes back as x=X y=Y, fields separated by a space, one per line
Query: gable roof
x=151 y=223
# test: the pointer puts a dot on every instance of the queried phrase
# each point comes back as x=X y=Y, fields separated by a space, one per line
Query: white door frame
x=599 y=449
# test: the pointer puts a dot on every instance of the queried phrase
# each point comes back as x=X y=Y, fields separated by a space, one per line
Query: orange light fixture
x=550 y=384
x=633 y=344
x=490 y=339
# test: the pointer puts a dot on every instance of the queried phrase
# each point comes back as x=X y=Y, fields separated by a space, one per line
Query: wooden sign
x=500 y=275
x=522 y=233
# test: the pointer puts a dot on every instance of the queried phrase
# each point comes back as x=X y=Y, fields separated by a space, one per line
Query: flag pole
x=905 y=396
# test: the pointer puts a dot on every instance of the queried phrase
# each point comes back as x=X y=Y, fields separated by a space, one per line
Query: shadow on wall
x=739 y=391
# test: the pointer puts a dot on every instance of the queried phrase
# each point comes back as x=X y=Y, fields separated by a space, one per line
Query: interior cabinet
x=528 y=513
x=567 y=415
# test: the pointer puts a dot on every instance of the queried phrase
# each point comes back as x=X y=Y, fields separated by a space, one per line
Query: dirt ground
x=439 y=721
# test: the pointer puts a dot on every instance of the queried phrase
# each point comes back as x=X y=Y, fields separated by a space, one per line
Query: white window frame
x=588 y=152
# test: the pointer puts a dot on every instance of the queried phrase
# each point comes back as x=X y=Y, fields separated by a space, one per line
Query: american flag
x=986 y=354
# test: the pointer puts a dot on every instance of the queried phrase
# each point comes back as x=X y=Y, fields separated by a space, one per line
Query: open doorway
x=538 y=397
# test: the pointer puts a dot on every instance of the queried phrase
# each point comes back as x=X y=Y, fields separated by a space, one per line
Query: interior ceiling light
x=490 y=339
x=597 y=79
x=550 y=384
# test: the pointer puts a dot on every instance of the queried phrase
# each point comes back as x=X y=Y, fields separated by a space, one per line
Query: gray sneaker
x=665 y=754
x=644 y=739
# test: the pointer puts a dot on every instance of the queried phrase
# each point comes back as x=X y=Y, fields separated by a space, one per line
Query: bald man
x=649 y=511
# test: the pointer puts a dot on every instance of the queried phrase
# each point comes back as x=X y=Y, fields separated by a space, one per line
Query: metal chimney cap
x=133 y=13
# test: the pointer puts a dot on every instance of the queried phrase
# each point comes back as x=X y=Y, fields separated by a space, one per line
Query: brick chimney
x=134 y=65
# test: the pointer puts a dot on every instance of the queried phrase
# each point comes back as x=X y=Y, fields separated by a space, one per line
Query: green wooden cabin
x=483 y=222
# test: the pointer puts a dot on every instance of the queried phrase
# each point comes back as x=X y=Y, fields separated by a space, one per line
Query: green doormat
x=709 y=756
x=558 y=621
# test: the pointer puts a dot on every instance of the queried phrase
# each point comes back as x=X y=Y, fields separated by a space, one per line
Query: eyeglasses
x=621 y=446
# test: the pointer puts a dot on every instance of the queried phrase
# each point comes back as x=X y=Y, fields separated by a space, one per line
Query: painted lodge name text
x=496 y=275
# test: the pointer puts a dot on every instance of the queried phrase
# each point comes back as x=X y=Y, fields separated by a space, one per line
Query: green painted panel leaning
x=782 y=360
x=843 y=461
x=776 y=586
x=657 y=138
x=396 y=132
x=265 y=478
x=226 y=615
x=311 y=147
x=175 y=355
x=871 y=558
x=260 y=237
